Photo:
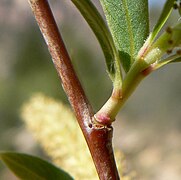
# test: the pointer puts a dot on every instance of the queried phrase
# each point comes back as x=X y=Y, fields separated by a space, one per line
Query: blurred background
x=148 y=129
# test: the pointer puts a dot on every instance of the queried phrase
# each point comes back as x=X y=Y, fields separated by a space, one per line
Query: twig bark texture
x=98 y=137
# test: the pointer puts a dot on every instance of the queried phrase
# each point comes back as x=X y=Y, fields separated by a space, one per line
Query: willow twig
x=98 y=137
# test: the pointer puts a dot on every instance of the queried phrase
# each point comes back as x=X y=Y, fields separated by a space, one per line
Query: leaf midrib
x=130 y=31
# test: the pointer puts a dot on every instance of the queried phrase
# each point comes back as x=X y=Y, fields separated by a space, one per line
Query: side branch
x=98 y=137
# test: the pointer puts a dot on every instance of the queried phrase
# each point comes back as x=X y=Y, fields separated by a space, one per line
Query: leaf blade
x=30 y=167
x=97 y=24
x=169 y=60
x=167 y=9
x=129 y=26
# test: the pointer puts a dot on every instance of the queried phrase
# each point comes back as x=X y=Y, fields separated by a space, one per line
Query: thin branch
x=98 y=137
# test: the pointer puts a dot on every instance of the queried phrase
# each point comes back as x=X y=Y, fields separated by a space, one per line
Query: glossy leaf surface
x=32 y=168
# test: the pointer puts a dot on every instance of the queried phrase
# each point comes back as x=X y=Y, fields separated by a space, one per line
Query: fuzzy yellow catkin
x=54 y=126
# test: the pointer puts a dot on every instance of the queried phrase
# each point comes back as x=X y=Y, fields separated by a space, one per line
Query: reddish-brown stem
x=98 y=137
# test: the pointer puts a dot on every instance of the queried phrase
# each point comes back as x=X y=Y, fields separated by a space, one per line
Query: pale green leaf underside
x=100 y=29
x=129 y=25
x=32 y=168
x=162 y=19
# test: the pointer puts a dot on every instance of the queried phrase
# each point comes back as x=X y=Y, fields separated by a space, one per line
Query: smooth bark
x=98 y=137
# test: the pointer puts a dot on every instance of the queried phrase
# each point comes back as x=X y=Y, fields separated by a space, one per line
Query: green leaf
x=32 y=168
x=171 y=59
x=128 y=23
x=168 y=41
x=167 y=9
x=97 y=24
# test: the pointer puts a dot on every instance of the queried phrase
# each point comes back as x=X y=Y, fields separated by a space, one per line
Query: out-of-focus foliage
x=30 y=167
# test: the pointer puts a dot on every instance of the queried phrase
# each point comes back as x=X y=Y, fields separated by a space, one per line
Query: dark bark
x=98 y=137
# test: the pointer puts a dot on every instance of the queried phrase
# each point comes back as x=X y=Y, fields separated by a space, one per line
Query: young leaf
x=169 y=40
x=128 y=23
x=172 y=59
x=97 y=24
x=167 y=9
x=32 y=168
